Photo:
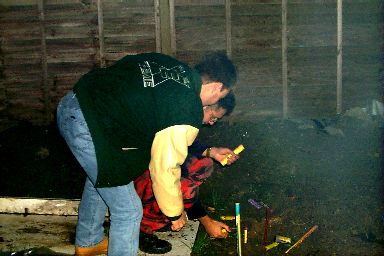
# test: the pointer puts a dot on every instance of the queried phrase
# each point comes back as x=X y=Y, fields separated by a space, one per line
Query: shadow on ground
x=325 y=172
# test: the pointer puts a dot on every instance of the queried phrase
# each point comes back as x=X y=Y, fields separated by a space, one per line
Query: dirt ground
x=324 y=172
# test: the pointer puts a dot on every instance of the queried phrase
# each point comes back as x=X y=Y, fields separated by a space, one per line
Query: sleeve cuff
x=196 y=211
x=174 y=218
x=197 y=149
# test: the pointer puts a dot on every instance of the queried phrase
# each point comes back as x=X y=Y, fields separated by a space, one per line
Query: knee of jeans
x=140 y=212
x=131 y=217
x=132 y=211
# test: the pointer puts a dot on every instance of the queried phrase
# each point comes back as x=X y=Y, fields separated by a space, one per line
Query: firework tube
x=302 y=238
x=236 y=151
x=227 y=217
x=282 y=239
x=245 y=235
x=268 y=213
x=270 y=246
x=238 y=229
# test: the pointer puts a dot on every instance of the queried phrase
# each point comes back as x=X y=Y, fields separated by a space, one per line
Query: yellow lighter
x=236 y=151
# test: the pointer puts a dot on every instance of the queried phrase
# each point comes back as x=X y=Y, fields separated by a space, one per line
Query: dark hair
x=228 y=103
x=216 y=67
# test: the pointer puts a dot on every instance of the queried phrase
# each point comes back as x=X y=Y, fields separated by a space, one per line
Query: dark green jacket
x=126 y=104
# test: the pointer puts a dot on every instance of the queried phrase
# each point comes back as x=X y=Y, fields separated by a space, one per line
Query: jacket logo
x=155 y=74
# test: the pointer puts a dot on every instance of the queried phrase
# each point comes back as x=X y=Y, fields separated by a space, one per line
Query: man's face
x=212 y=115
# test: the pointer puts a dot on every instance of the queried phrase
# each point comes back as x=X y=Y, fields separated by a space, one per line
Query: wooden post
x=172 y=26
x=339 y=86
x=44 y=64
x=157 y=25
x=284 y=57
x=165 y=27
x=228 y=27
x=100 y=23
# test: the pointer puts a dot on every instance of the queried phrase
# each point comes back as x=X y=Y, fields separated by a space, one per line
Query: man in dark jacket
x=142 y=112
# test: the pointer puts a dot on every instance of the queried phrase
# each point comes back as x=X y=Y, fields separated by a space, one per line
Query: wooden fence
x=296 y=58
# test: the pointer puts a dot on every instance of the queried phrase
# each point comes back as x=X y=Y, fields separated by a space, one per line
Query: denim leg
x=92 y=208
x=123 y=203
x=126 y=211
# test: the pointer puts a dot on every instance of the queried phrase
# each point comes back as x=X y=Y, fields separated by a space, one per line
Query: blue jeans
x=124 y=205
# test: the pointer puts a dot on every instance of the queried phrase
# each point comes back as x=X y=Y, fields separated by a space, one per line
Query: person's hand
x=178 y=224
x=215 y=229
x=219 y=154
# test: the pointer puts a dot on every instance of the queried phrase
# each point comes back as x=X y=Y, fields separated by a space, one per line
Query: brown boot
x=99 y=249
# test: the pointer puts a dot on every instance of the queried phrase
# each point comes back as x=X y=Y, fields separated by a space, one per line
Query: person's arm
x=198 y=149
x=196 y=210
x=220 y=154
x=169 y=150
x=214 y=228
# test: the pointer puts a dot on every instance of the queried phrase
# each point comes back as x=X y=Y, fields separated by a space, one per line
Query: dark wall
x=47 y=45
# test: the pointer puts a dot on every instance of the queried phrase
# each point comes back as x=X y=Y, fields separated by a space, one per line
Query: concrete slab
x=182 y=242
x=48 y=234
x=39 y=206
x=19 y=233
x=54 y=235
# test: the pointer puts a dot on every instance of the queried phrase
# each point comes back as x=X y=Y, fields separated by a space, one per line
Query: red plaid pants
x=194 y=173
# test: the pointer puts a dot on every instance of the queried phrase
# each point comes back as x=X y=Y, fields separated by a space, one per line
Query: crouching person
x=194 y=171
